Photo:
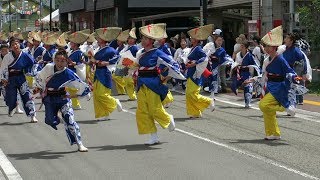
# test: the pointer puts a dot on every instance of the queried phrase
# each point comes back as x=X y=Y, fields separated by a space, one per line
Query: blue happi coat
x=13 y=69
x=199 y=56
x=103 y=74
x=50 y=79
x=294 y=55
x=155 y=58
x=76 y=56
x=280 y=67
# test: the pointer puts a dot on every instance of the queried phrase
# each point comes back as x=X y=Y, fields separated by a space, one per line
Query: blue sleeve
x=134 y=50
x=114 y=56
x=201 y=55
x=167 y=59
x=300 y=56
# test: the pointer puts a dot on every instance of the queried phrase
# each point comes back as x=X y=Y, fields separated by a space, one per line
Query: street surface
x=224 y=144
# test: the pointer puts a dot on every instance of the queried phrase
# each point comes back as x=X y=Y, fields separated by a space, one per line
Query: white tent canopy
x=54 y=16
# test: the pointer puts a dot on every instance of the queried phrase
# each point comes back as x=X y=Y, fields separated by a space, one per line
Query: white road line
x=7 y=168
x=302 y=116
x=261 y=158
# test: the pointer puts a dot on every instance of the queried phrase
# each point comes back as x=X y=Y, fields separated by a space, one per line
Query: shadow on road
x=180 y=119
x=259 y=141
x=14 y=124
x=132 y=147
x=40 y=155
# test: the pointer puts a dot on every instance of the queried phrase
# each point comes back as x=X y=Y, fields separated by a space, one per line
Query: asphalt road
x=224 y=144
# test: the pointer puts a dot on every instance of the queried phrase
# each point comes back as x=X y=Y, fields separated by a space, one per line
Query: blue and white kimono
x=217 y=59
x=200 y=58
x=150 y=61
x=279 y=77
x=103 y=74
x=55 y=98
x=13 y=69
x=38 y=51
x=78 y=57
x=241 y=72
x=295 y=58
x=48 y=55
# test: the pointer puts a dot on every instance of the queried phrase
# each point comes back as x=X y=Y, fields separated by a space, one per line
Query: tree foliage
x=310 y=18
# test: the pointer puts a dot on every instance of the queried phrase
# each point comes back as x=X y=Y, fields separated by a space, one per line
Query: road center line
x=258 y=157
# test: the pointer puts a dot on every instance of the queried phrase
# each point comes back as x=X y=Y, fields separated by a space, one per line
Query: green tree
x=310 y=18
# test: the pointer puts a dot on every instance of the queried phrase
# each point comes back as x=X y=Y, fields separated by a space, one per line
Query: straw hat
x=123 y=36
x=154 y=31
x=3 y=37
x=49 y=40
x=108 y=34
x=91 y=38
x=61 y=41
x=86 y=31
x=30 y=40
x=17 y=35
x=78 y=37
x=241 y=38
x=132 y=33
x=274 y=37
x=202 y=32
x=67 y=34
x=37 y=36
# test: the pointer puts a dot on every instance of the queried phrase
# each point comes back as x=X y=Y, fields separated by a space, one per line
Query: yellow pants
x=150 y=109
x=89 y=75
x=30 y=80
x=195 y=102
x=75 y=101
x=168 y=99
x=104 y=104
x=130 y=88
x=269 y=106
x=120 y=84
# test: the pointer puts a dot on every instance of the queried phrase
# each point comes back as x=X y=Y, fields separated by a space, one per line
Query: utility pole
x=205 y=11
x=10 y=28
x=50 y=21
x=40 y=19
x=1 y=15
x=201 y=12
x=291 y=19
x=95 y=14
x=267 y=16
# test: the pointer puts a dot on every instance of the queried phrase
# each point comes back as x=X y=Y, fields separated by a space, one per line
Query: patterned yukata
x=55 y=98
x=13 y=69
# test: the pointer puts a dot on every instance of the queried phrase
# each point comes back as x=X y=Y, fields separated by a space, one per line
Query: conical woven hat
x=78 y=37
x=123 y=36
x=274 y=37
x=3 y=37
x=17 y=35
x=202 y=32
x=91 y=38
x=36 y=36
x=30 y=40
x=86 y=31
x=49 y=40
x=108 y=34
x=154 y=31
x=132 y=33
x=61 y=41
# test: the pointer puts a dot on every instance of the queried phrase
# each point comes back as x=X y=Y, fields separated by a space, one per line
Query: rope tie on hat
x=269 y=35
x=196 y=31
x=104 y=30
x=149 y=28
